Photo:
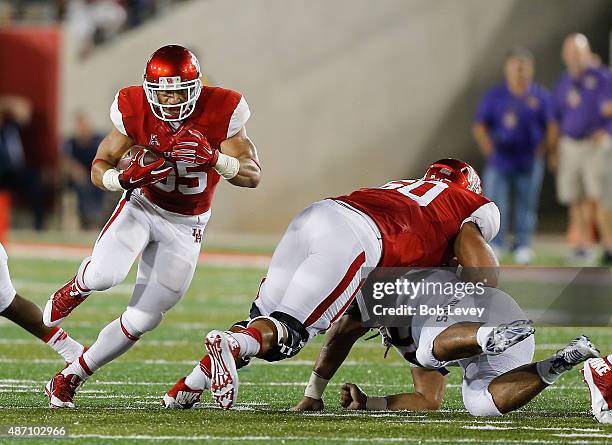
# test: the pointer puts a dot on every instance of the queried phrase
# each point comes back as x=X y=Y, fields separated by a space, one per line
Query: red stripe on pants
x=112 y=218
x=340 y=288
x=350 y=300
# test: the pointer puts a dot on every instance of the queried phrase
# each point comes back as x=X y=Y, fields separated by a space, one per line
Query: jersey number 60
x=422 y=192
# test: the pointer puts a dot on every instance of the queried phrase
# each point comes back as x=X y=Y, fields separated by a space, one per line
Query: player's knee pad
x=137 y=322
x=175 y=274
x=479 y=402
x=291 y=335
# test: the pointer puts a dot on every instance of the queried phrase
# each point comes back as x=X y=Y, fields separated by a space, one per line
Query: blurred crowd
x=520 y=125
x=26 y=186
x=91 y=22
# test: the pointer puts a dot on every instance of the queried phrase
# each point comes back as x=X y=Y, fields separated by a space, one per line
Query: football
x=149 y=158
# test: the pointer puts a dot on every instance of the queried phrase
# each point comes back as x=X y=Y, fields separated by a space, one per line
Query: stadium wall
x=344 y=94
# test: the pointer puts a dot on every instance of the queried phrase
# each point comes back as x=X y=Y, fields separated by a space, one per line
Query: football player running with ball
x=198 y=134
x=316 y=269
x=26 y=314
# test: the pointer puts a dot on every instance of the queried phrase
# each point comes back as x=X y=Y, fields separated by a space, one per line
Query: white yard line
x=488 y=426
x=321 y=439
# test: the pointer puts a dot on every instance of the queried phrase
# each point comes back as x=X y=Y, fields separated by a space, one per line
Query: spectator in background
x=582 y=159
x=79 y=152
x=15 y=174
x=94 y=21
x=511 y=128
x=605 y=203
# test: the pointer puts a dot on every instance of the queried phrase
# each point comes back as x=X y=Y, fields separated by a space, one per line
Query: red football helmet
x=455 y=172
x=172 y=68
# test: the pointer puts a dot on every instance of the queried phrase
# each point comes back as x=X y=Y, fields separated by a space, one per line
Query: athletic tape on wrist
x=316 y=386
x=110 y=180
x=376 y=403
x=227 y=166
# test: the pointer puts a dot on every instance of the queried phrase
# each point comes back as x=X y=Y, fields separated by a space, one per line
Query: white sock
x=111 y=343
x=249 y=347
x=549 y=373
x=197 y=379
x=77 y=369
x=64 y=345
x=482 y=334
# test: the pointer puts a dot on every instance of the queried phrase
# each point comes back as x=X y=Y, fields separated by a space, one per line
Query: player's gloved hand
x=309 y=404
x=352 y=397
x=137 y=174
x=191 y=146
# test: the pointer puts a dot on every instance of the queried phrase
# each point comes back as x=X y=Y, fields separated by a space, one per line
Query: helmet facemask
x=172 y=84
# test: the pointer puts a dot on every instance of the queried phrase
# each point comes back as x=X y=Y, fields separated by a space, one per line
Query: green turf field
x=121 y=402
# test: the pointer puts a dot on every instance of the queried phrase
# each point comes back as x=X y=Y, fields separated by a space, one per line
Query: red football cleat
x=63 y=302
x=181 y=396
x=598 y=377
x=61 y=389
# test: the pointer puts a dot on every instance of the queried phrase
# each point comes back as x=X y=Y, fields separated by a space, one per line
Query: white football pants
x=479 y=371
x=170 y=246
x=315 y=271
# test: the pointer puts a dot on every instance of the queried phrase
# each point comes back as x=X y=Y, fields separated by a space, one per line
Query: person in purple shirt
x=511 y=128
x=583 y=155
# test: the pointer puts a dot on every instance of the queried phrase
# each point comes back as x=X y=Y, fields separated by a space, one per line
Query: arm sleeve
x=239 y=118
x=117 y=117
x=486 y=217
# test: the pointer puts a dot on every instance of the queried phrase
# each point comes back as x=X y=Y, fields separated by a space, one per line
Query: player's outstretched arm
x=429 y=385
x=339 y=340
x=476 y=256
x=110 y=151
x=239 y=147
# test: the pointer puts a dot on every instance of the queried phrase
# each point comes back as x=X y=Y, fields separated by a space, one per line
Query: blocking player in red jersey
x=315 y=271
x=199 y=134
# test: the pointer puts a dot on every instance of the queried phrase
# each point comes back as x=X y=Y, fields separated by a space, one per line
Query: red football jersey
x=219 y=114
x=420 y=219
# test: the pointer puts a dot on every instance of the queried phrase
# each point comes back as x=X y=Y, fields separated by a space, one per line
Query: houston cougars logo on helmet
x=172 y=68
x=455 y=172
